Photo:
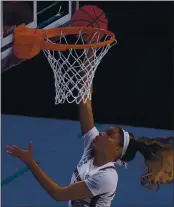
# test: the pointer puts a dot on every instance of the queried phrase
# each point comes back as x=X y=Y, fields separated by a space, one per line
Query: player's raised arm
x=85 y=109
x=86 y=116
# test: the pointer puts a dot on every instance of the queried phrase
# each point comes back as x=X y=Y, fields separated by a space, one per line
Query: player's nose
x=101 y=135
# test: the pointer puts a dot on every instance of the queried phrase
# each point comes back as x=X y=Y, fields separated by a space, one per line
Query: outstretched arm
x=77 y=191
x=93 y=186
x=72 y=192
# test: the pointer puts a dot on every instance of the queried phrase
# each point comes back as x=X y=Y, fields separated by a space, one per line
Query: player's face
x=108 y=140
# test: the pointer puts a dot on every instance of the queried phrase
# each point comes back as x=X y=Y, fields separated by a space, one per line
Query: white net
x=74 y=69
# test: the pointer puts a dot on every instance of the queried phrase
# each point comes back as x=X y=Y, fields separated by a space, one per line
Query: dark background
x=133 y=83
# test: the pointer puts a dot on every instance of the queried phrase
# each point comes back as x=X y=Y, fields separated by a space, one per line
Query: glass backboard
x=35 y=14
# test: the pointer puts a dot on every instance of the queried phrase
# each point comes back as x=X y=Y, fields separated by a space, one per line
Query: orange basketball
x=90 y=16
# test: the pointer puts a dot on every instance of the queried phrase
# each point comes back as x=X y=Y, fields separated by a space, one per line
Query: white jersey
x=101 y=181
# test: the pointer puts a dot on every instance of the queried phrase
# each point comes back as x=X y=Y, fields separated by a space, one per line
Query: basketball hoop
x=74 y=65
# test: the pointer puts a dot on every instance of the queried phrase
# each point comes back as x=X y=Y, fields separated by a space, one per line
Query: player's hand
x=25 y=156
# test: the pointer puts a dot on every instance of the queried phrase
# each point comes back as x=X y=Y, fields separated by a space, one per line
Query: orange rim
x=24 y=33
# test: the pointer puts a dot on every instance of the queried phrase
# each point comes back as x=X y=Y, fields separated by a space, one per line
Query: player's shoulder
x=108 y=173
x=108 y=170
x=106 y=177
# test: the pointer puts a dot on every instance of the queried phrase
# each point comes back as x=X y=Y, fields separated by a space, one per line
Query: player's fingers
x=16 y=147
x=11 y=153
x=10 y=149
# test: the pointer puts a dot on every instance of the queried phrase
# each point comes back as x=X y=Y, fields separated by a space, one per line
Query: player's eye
x=110 y=133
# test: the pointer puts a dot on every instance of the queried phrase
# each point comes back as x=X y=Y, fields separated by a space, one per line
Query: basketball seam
x=83 y=20
x=99 y=16
x=93 y=20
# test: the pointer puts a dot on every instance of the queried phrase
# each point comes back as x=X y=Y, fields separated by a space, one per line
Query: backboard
x=35 y=14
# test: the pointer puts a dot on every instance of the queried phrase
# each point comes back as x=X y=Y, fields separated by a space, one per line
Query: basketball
x=90 y=16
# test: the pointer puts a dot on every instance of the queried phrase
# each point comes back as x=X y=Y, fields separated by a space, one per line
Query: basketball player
x=94 y=181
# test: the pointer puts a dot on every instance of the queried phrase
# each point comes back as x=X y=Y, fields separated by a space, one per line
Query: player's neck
x=101 y=159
